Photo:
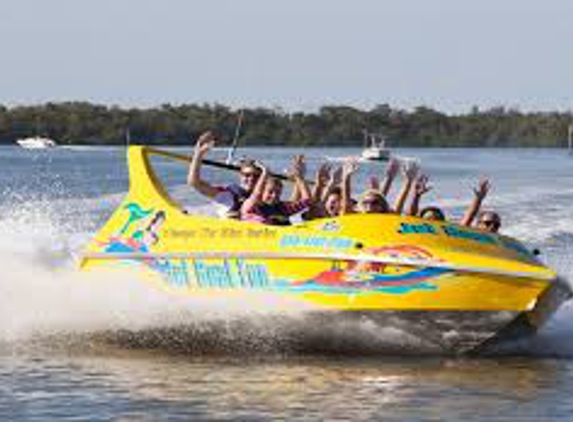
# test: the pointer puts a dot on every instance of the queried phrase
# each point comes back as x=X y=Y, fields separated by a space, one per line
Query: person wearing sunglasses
x=433 y=214
x=489 y=221
x=372 y=201
x=229 y=197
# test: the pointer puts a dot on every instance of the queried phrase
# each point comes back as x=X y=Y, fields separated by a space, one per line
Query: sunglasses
x=371 y=202
x=374 y=203
x=490 y=223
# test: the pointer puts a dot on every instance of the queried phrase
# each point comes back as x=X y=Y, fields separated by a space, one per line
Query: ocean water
x=81 y=347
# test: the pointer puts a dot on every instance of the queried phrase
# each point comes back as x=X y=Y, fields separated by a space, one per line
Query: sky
x=292 y=54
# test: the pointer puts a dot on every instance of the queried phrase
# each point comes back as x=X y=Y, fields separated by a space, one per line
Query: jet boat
x=460 y=287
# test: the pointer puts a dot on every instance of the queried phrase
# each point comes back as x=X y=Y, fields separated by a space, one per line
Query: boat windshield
x=170 y=168
x=171 y=173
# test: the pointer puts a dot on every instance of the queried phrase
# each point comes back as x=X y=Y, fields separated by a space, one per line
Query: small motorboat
x=36 y=142
x=461 y=288
x=375 y=148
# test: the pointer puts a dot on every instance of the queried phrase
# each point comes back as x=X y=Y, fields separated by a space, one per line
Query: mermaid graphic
x=144 y=237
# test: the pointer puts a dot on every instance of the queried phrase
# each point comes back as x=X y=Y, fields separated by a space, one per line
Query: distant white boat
x=36 y=142
x=375 y=148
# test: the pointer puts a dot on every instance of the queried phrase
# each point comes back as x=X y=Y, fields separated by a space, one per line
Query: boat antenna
x=570 y=139
x=365 y=136
x=382 y=138
x=231 y=152
x=128 y=137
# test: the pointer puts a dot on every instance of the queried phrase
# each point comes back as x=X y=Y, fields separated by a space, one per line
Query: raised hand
x=323 y=174
x=410 y=170
x=473 y=209
x=259 y=164
x=393 y=168
x=205 y=142
x=349 y=167
x=482 y=189
x=298 y=167
x=336 y=177
x=421 y=186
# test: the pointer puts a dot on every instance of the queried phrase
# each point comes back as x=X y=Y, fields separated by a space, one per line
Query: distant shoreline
x=82 y=123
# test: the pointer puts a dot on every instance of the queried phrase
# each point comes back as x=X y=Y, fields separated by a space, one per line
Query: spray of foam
x=45 y=296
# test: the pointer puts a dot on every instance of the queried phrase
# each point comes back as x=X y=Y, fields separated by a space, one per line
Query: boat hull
x=375 y=155
x=36 y=143
x=436 y=333
x=444 y=314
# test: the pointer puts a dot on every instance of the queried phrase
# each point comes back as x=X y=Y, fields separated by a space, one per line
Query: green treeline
x=85 y=123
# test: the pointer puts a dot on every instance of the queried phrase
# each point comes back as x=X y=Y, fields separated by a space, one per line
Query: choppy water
x=76 y=346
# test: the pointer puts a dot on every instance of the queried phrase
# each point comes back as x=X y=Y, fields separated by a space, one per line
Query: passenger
x=489 y=221
x=232 y=196
x=330 y=202
x=371 y=202
x=264 y=205
x=327 y=194
x=333 y=202
x=433 y=214
x=480 y=193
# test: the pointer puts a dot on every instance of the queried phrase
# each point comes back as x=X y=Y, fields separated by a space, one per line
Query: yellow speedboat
x=462 y=287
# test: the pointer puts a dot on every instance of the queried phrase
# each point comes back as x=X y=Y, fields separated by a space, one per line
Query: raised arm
x=333 y=182
x=297 y=172
x=409 y=174
x=479 y=195
x=205 y=142
x=391 y=172
x=374 y=183
x=295 y=193
x=257 y=193
x=348 y=169
x=320 y=182
x=421 y=187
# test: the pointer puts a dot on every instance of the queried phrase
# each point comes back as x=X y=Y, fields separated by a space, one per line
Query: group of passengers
x=258 y=196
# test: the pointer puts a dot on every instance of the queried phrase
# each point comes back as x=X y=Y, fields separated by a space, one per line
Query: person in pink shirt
x=264 y=205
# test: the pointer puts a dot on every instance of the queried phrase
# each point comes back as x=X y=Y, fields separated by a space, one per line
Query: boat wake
x=47 y=302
